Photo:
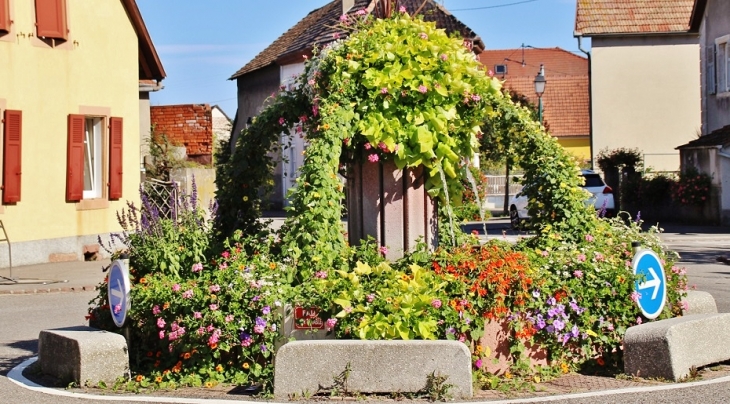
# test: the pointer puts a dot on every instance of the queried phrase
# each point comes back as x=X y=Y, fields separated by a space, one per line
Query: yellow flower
x=158 y=379
x=245 y=199
x=508 y=375
x=219 y=368
x=139 y=378
x=272 y=265
x=245 y=365
x=564 y=367
x=208 y=384
x=479 y=349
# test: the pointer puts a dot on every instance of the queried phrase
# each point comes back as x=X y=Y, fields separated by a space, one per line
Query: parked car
x=601 y=198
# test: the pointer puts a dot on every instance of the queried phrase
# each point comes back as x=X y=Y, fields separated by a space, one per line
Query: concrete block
x=698 y=302
x=375 y=366
x=83 y=355
x=669 y=348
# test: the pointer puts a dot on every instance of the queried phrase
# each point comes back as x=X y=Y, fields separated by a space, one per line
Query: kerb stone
x=698 y=302
x=303 y=367
x=83 y=355
x=669 y=348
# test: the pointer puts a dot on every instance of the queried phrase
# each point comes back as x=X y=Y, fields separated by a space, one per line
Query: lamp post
x=539 y=89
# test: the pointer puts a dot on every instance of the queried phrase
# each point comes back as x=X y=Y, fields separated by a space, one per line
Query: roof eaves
x=698 y=13
x=147 y=52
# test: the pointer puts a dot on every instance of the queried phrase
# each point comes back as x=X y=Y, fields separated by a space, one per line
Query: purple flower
x=266 y=310
x=260 y=321
x=436 y=303
x=263 y=348
x=559 y=325
x=540 y=324
x=574 y=332
x=551 y=301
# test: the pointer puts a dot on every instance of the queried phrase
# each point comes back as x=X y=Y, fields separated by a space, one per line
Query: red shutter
x=5 y=15
x=50 y=16
x=115 y=158
x=75 y=164
x=11 y=156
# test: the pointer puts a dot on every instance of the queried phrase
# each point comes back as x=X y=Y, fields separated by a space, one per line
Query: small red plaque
x=307 y=318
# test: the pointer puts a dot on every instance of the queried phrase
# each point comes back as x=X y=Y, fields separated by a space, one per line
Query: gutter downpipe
x=590 y=95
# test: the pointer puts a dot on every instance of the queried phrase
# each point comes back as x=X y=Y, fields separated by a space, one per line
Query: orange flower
x=213 y=345
x=272 y=265
x=166 y=371
x=142 y=280
x=139 y=378
x=245 y=365
x=166 y=306
x=157 y=364
x=186 y=355
x=600 y=361
x=158 y=379
x=159 y=353
x=219 y=368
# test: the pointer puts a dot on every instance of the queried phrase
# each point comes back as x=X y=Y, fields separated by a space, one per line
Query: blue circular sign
x=118 y=292
x=651 y=284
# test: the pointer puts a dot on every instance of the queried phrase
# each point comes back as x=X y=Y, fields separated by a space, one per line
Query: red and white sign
x=307 y=319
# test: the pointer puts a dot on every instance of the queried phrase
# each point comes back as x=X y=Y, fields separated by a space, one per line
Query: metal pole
x=539 y=109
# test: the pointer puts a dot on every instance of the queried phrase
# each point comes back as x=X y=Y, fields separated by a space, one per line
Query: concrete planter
x=390 y=205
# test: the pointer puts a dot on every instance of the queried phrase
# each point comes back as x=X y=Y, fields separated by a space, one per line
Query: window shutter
x=115 y=157
x=726 y=46
x=720 y=68
x=710 y=69
x=11 y=156
x=50 y=18
x=75 y=163
x=4 y=15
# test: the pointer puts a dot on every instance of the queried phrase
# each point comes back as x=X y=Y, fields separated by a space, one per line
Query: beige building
x=74 y=83
x=645 y=81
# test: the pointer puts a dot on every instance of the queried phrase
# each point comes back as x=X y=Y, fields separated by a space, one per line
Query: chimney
x=347 y=5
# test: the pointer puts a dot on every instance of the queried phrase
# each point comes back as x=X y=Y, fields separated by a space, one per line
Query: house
x=711 y=152
x=187 y=125
x=645 y=86
x=282 y=60
x=74 y=90
x=222 y=125
x=565 y=102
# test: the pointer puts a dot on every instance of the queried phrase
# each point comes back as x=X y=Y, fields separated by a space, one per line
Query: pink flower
x=320 y=275
x=187 y=294
x=478 y=364
x=156 y=310
x=311 y=82
x=545 y=253
x=229 y=318
x=348 y=309
x=160 y=323
x=436 y=303
x=225 y=254
x=343 y=18
x=197 y=315
x=259 y=329
x=162 y=334
x=635 y=296
x=176 y=287
x=210 y=328
x=117 y=308
x=384 y=90
x=330 y=324
x=589 y=238
x=361 y=12
x=172 y=336
x=578 y=273
x=422 y=89
x=213 y=307
x=367 y=146
x=282 y=121
x=373 y=158
x=382 y=146
x=490 y=72
x=214 y=288
x=599 y=256
x=684 y=305
x=476 y=97
x=197 y=267
x=383 y=250
x=336 y=35
x=402 y=10
x=223 y=266
x=581 y=257
x=444 y=57
x=423 y=35
x=370 y=298
x=315 y=109
x=639 y=320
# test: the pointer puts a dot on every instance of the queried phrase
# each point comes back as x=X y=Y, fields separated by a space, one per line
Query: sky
x=202 y=43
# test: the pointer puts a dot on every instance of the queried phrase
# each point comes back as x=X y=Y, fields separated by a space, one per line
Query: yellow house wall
x=646 y=95
x=97 y=68
x=578 y=147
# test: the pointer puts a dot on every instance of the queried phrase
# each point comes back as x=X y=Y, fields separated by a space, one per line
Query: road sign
x=118 y=292
x=651 y=285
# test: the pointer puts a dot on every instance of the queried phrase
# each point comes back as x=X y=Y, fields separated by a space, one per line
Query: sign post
x=118 y=292
x=651 y=285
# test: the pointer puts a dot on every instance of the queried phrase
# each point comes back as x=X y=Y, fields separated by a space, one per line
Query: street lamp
x=539 y=89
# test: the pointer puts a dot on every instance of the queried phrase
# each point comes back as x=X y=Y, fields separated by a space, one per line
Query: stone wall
x=188 y=125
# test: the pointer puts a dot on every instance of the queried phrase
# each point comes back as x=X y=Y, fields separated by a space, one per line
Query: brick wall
x=188 y=125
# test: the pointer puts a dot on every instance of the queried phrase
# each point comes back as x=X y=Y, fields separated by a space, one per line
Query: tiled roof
x=526 y=62
x=318 y=27
x=565 y=101
x=606 y=17
x=720 y=137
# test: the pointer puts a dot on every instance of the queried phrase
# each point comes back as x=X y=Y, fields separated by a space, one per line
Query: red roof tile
x=318 y=28
x=606 y=17
x=527 y=61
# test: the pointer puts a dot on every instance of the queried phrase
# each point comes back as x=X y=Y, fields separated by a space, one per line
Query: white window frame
x=93 y=157
x=722 y=65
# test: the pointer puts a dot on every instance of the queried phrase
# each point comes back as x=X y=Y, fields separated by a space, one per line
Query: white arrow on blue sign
x=118 y=292
x=651 y=284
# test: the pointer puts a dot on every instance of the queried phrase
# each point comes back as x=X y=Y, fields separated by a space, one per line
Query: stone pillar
x=392 y=206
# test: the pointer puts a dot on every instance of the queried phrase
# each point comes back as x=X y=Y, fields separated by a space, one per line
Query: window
x=5 y=16
x=722 y=65
x=89 y=159
x=50 y=18
x=710 y=70
x=92 y=158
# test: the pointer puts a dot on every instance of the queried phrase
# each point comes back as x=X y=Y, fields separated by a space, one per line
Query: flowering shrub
x=693 y=188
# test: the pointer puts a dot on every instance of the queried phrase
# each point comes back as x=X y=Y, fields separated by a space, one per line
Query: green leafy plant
x=693 y=188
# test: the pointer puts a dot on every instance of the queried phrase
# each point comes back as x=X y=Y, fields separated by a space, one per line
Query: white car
x=601 y=198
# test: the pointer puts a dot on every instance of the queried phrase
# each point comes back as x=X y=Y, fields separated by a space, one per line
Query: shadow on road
x=29 y=348
x=703 y=256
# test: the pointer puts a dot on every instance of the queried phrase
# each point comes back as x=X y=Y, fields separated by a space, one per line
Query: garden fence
x=496 y=185
x=163 y=195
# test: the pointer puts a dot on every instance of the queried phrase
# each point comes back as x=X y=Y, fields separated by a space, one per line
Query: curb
x=73 y=289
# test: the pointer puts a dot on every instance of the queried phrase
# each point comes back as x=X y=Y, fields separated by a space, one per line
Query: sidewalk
x=75 y=276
